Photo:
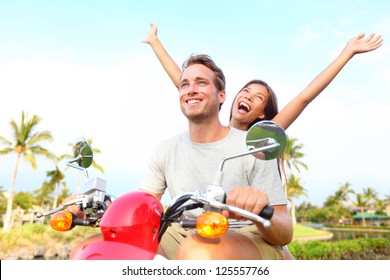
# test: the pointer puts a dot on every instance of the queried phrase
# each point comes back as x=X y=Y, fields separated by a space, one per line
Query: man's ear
x=222 y=96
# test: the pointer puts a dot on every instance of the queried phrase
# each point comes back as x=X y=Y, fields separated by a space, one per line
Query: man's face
x=199 y=98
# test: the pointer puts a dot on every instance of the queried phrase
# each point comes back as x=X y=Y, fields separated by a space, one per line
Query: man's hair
x=206 y=60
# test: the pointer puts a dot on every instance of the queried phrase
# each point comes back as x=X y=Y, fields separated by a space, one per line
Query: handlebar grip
x=267 y=212
x=79 y=221
x=188 y=223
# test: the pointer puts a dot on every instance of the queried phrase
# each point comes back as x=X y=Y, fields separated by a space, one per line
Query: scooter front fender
x=109 y=250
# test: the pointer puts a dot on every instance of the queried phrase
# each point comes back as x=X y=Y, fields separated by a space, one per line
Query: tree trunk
x=293 y=216
x=363 y=219
x=8 y=215
x=56 y=191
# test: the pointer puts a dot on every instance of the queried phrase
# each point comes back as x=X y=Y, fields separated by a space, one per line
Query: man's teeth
x=193 y=101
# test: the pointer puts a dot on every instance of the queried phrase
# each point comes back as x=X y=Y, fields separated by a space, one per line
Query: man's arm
x=158 y=196
x=253 y=200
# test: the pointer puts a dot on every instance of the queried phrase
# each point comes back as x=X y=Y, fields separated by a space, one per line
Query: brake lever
x=78 y=200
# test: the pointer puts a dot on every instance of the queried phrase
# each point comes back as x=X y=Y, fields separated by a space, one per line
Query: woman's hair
x=270 y=111
x=271 y=108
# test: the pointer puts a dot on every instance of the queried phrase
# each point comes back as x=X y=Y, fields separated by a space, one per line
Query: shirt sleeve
x=154 y=179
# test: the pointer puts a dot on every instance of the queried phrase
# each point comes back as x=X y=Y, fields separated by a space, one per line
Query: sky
x=82 y=67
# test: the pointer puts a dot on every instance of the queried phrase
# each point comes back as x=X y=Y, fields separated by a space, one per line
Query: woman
x=257 y=101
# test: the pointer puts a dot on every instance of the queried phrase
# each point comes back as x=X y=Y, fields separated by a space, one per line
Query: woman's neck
x=238 y=125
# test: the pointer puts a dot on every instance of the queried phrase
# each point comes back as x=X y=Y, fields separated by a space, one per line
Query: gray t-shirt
x=182 y=165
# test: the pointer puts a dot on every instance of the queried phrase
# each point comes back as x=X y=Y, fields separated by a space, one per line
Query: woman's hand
x=362 y=44
x=152 y=34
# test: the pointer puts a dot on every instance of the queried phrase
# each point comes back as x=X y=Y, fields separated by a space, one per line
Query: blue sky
x=82 y=67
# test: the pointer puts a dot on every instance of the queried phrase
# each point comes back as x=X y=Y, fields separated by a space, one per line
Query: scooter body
x=133 y=224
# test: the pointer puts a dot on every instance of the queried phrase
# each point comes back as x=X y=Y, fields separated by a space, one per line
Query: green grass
x=32 y=235
x=301 y=231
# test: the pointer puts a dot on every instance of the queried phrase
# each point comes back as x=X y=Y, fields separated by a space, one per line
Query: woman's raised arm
x=356 y=45
x=170 y=67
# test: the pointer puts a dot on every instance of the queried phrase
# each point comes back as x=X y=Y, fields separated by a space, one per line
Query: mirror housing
x=266 y=134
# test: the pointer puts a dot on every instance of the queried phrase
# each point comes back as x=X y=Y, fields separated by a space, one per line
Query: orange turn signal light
x=62 y=221
x=211 y=224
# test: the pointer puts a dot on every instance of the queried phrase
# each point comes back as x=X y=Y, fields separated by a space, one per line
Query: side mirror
x=265 y=140
x=83 y=156
x=266 y=134
x=82 y=152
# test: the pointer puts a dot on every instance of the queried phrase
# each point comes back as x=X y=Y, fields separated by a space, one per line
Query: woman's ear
x=261 y=115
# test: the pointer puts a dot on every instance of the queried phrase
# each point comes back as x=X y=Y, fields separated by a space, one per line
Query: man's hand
x=74 y=208
x=247 y=198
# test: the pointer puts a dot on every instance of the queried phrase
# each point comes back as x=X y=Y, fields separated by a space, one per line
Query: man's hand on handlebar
x=247 y=198
x=75 y=209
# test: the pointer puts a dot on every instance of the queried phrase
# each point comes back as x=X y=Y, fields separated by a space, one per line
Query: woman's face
x=250 y=103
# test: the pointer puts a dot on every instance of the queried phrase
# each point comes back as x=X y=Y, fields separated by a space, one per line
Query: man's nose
x=192 y=88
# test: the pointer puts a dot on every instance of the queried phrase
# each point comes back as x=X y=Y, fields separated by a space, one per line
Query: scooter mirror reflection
x=82 y=152
x=265 y=133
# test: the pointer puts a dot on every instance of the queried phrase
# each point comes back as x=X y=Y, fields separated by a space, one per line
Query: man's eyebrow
x=201 y=79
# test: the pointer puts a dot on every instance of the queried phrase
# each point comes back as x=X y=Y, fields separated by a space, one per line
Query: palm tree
x=3 y=200
x=371 y=195
x=56 y=180
x=362 y=203
x=344 y=192
x=25 y=143
x=291 y=158
x=42 y=196
x=295 y=190
x=65 y=193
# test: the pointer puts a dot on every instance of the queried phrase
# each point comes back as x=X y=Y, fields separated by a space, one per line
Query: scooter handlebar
x=267 y=212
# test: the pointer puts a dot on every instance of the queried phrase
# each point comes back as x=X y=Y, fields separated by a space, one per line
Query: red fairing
x=108 y=250
x=133 y=218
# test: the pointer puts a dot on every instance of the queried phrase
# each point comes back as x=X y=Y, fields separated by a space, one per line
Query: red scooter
x=133 y=224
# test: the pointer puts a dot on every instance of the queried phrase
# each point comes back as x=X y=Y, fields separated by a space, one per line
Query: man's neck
x=207 y=132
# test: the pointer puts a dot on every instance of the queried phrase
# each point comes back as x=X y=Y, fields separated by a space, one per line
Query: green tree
x=25 y=144
x=294 y=191
x=65 y=193
x=42 y=195
x=56 y=179
x=24 y=200
x=371 y=195
x=362 y=203
x=291 y=157
x=3 y=201
x=344 y=192
x=332 y=200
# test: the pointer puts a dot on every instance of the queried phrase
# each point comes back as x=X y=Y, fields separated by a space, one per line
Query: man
x=189 y=161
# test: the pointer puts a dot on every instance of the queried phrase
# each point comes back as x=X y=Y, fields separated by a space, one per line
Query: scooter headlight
x=62 y=221
x=211 y=224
